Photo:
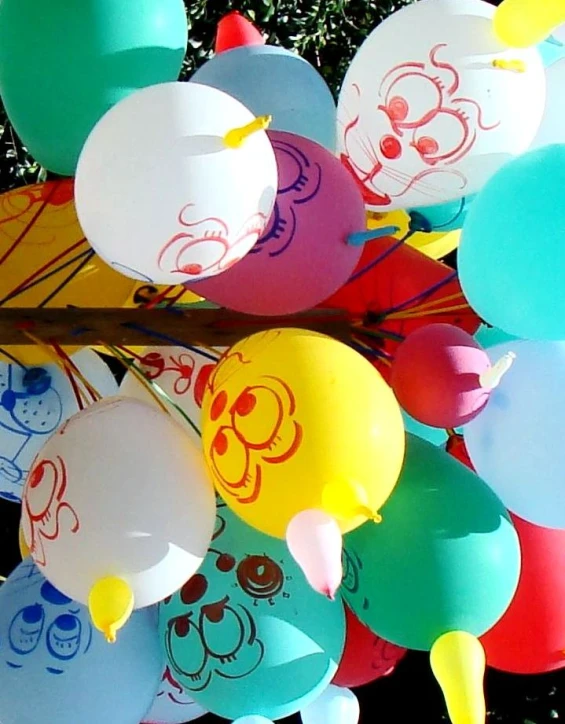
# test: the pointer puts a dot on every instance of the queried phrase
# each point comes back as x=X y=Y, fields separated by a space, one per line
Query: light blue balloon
x=435 y=435
x=34 y=401
x=336 y=705
x=489 y=337
x=551 y=50
x=516 y=443
x=253 y=720
x=247 y=635
x=512 y=252
x=448 y=216
x=54 y=667
x=273 y=81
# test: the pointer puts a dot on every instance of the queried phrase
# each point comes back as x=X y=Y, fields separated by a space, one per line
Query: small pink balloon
x=304 y=256
x=440 y=376
x=314 y=541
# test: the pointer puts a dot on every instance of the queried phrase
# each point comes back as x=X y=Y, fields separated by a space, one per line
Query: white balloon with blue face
x=34 y=401
x=55 y=667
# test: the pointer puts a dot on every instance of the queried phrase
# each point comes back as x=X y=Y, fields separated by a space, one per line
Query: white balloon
x=182 y=374
x=255 y=719
x=334 y=706
x=172 y=704
x=31 y=411
x=119 y=490
x=161 y=197
x=552 y=129
x=424 y=116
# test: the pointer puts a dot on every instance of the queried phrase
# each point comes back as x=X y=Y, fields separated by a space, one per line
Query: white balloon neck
x=491 y=378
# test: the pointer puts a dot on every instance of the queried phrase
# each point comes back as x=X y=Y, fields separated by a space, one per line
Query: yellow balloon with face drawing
x=294 y=420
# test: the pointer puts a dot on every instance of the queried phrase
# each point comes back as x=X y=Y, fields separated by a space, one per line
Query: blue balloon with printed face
x=54 y=667
x=247 y=635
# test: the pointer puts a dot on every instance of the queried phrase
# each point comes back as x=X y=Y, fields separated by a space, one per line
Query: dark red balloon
x=456 y=448
x=366 y=657
x=530 y=637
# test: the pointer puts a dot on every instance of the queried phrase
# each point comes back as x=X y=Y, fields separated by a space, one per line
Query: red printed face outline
x=256 y=429
x=427 y=117
x=43 y=507
x=205 y=248
x=154 y=365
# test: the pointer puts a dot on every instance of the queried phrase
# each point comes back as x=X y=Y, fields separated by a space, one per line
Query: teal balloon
x=247 y=635
x=273 y=81
x=64 y=63
x=435 y=435
x=445 y=558
x=55 y=667
x=489 y=337
x=512 y=252
x=448 y=216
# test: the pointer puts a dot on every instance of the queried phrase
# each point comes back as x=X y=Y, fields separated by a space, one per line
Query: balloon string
x=88 y=257
x=421 y=295
x=33 y=281
x=378 y=333
x=175 y=300
x=425 y=313
x=380 y=258
x=92 y=391
x=176 y=342
x=364 y=348
x=158 y=298
x=13 y=359
x=155 y=390
x=431 y=304
x=28 y=226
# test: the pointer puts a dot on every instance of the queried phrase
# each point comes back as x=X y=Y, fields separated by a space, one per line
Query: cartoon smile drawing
x=154 y=364
x=300 y=183
x=45 y=513
x=50 y=624
x=29 y=409
x=206 y=247
x=423 y=123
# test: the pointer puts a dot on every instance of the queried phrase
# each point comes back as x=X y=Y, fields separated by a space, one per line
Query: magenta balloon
x=303 y=257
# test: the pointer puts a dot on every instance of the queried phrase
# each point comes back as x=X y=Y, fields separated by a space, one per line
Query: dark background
x=327 y=33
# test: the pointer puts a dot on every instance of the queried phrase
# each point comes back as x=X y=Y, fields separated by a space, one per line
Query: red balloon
x=530 y=637
x=366 y=657
x=395 y=290
x=234 y=31
x=456 y=448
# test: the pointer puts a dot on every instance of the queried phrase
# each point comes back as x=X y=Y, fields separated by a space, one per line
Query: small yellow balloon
x=434 y=244
x=294 y=420
x=458 y=662
x=24 y=549
x=524 y=23
x=110 y=603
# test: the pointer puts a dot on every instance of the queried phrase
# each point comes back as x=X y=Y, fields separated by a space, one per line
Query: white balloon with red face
x=433 y=104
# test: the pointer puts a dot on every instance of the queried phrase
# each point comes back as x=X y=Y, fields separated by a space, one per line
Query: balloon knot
x=516 y=66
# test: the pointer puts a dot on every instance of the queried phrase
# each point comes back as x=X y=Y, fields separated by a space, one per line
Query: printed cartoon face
x=206 y=246
x=49 y=627
x=172 y=703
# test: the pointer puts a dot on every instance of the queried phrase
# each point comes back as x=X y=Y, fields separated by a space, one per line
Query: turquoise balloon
x=446 y=556
x=247 y=635
x=435 y=435
x=512 y=251
x=274 y=81
x=448 y=216
x=64 y=63
x=489 y=337
x=55 y=667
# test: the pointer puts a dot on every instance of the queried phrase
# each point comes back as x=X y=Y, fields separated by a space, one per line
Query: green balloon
x=246 y=634
x=446 y=556
x=64 y=63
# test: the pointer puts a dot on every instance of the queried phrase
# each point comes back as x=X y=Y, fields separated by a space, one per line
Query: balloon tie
x=422 y=296
x=516 y=66
x=491 y=378
x=380 y=258
x=237 y=136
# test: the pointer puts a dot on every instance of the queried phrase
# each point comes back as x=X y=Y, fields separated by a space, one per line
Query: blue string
x=64 y=283
x=166 y=338
x=380 y=258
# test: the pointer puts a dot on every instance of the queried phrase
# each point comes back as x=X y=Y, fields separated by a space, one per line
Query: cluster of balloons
x=251 y=531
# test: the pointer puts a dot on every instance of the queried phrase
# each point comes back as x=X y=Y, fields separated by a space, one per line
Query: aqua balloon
x=247 y=635
x=446 y=556
x=54 y=667
x=62 y=66
x=516 y=443
x=436 y=435
x=273 y=81
x=489 y=337
x=512 y=252
x=448 y=216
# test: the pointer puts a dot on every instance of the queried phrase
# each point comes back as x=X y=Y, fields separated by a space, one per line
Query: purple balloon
x=303 y=257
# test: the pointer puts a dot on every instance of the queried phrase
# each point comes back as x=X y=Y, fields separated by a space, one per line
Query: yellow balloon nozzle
x=236 y=137
x=458 y=661
x=366 y=512
x=516 y=66
x=347 y=499
x=110 y=603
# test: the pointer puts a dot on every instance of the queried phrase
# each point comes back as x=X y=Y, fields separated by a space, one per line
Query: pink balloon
x=436 y=376
x=303 y=257
x=314 y=541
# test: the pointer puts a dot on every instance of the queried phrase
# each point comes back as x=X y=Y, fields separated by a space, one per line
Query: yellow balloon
x=44 y=256
x=294 y=420
x=110 y=604
x=458 y=662
x=434 y=244
x=24 y=549
x=524 y=23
